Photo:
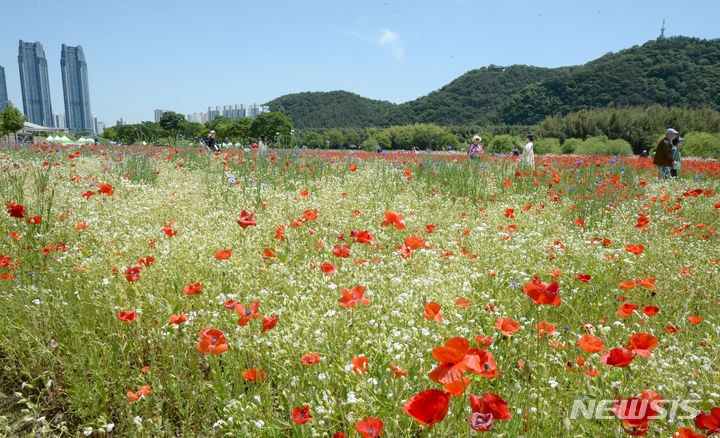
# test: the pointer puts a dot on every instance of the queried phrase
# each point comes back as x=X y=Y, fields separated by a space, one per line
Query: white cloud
x=388 y=40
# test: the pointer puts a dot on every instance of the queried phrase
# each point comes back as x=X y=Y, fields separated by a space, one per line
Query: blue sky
x=187 y=55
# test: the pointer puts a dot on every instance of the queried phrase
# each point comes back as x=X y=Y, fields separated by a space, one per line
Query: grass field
x=129 y=277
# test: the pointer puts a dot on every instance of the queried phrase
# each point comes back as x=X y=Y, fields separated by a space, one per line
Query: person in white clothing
x=261 y=144
x=528 y=156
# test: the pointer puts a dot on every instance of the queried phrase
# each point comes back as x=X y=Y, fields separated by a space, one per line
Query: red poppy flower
x=178 y=319
x=142 y=392
x=353 y=168
x=684 y=432
x=458 y=387
x=246 y=219
x=6 y=276
x=583 y=277
x=310 y=359
x=545 y=328
x=488 y=367
x=304 y=193
x=339 y=435
x=642 y=343
x=146 y=261
x=107 y=189
x=269 y=253
x=212 y=341
x=593 y=373
x=635 y=249
x=636 y=413
x=455 y=359
x=393 y=218
x=695 y=319
x=555 y=273
x=254 y=375
x=709 y=421
x=269 y=323
x=301 y=415
x=362 y=236
x=193 y=289
x=397 y=371
x=490 y=404
x=370 y=427
x=428 y=407
x=627 y=309
x=542 y=293
x=132 y=273
x=463 y=303
x=223 y=254
x=429 y=228
x=310 y=215
x=591 y=344
x=327 y=268
x=671 y=329
x=88 y=194
x=650 y=310
x=127 y=316
x=16 y=210
x=353 y=297
x=359 y=364
x=508 y=326
x=483 y=341
x=510 y=213
x=34 y=220
x=579 y=222
x=341 y=251
x=414 y=242
x=246 y=314
x=432 y=311
x=617 y=357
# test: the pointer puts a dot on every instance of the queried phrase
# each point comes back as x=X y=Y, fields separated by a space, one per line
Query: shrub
x=701 y=144
x=570 y=144
x=547 y=146
x=603 y=146
x=313 y=140
x=501 y=144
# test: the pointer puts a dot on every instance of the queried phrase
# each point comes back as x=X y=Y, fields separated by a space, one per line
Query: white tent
x=65 y=140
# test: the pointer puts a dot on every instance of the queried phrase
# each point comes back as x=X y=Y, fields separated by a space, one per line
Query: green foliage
x=334 y=138
x=501 y=144
x=701 y=144
x=570 y=144
x=543 y=146
x=601 y=145
x=421 y=136
x=270 y=125
x=313 y=140
x=170 y=122
x=11 y=120
x=369 y=145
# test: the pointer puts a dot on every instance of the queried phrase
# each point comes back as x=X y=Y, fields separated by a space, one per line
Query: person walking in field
x=528 y=156
x=677 y=142
x=475 y=148
x=211 y=142
x=663 y=154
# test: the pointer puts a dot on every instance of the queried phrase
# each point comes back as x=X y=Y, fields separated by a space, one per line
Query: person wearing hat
x=677 y=142
x=475 y=148
x=211 y=143
x=663 y=155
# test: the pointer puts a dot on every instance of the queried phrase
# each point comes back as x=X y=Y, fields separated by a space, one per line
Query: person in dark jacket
x=663 y=155
x=211 y=143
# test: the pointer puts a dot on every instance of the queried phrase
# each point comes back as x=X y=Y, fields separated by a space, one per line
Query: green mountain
x=673 y=72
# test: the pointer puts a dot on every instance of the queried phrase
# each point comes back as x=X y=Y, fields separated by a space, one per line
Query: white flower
x=109 y=427
x=88 y=431
x=259 y=424
x=137 y=420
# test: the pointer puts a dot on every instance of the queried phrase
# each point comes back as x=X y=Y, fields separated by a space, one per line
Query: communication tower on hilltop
x=662 y=30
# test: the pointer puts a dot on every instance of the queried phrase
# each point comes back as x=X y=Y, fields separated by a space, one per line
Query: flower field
x=174 y=292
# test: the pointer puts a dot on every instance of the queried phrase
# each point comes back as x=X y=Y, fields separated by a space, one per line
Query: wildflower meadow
x=176 y=292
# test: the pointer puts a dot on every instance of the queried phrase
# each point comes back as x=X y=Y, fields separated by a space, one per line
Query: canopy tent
x=65 y=140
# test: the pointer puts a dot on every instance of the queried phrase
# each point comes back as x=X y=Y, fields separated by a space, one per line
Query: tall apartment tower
x=34 y=83
x=3 y=89
x=75 y=89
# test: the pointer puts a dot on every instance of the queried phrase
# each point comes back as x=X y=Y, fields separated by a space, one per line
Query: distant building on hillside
x=197 y=118
x=76 y=90
x=34 y=83
x=3 y=89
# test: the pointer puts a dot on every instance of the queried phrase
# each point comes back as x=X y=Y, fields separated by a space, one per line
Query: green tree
x=239 y=129
x=313 y=140
x=270 y=125
x=11 y=120
x=335 y=138
x=170 y=122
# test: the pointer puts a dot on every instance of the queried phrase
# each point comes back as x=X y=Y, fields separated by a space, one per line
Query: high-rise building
x=76 y=89
x=101 y=128
x=3 y=89
x=94 y=124
x=59 y=120
x=35 y=84
x=158 y=114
